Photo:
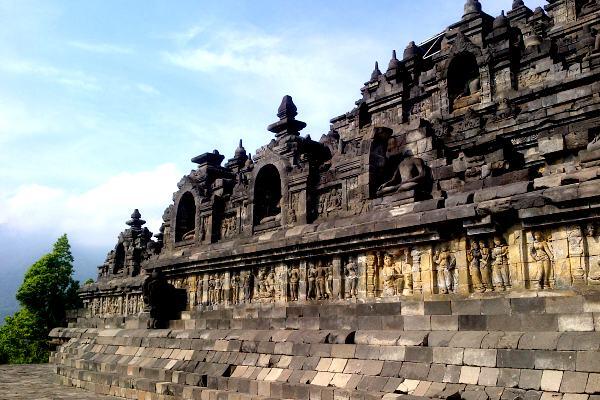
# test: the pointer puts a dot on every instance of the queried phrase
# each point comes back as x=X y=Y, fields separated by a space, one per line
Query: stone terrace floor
x=37 y=382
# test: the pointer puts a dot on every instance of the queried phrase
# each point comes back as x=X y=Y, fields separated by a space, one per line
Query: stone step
x=495 y=383
x=264 y=385
x=561 y=322
x=301 y=343
x=446 y=357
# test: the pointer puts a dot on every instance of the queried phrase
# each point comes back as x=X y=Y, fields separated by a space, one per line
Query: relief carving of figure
x=485 y=266
x=447 y=271
x=321 y=279
x=235 y=288
x=312 y=282
x=192 y=283
x=405 y=269
x=270 y=283
x=500 y=275
x=389 y=275
x=211 y=290
x=334 y=200
x=140 y=303
x=411 y=174
x=262 y=283
x=576 y=253
x=218 y=296
x=329 y=282
x=248 y=284
x=542 y=254
x=352 y=278
x=294 y=279
x=474 y=261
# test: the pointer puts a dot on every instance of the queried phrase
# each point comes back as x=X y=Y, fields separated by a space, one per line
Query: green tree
x=23 y=339
x=89 y=281
x=47 y=291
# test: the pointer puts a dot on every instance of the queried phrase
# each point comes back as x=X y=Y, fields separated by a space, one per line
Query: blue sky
x=103 y=103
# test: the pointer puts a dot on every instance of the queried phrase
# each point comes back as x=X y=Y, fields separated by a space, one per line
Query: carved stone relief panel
x=446 y=270
x=229 y=226
x=541 y=261
x=329 y=201
x=351 y=278
x=294 y=207
x=293 y=282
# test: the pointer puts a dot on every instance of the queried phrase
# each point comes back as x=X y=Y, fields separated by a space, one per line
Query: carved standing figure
x=294 y=279
x=218 y=296
x=211 y=290
x=321 y=278
x=248 y=284
x=329 y=282
x=192 y=283
x=270 y=283
x=389 y=275
x=474 y=258
x=262 y=283
x=500 y=265
x=352 y=277
x=235 y=288
x=484 y=266
x=312 y=282
x=542 y=253
x=446 y=267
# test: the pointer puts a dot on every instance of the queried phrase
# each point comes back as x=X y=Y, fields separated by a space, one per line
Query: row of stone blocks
x=377 y=314
x=546 y=359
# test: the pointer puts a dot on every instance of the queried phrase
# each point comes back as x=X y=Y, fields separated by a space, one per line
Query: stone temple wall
x=469 y=169
x=469 y=166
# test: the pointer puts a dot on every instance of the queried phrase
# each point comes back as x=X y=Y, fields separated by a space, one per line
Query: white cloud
x=263 y=67
x=70 y=78
x=101 y=48
x=94 y=217
x=147 y=89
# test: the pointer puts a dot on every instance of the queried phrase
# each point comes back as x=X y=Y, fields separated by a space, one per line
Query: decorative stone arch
x=119 y=258
x=269 y=192
x=364 y=116
x=185 y=226
x=267 y=195
x=463 y=61
x=375 y=146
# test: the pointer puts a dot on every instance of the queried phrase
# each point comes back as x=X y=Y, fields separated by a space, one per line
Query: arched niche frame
x=269 y=191
x=463 y=59
x=119 y=258
x=185 y=215
x=375 y=146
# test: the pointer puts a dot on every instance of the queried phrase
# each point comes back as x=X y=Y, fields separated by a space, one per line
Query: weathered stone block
x=480 y=357
x=469 y=375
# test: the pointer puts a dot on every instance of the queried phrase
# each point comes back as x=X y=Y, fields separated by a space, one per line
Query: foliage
x=23 y=339
x=47 y=291
x=88 y=281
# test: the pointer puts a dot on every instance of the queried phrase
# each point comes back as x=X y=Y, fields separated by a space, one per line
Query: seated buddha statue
x=410 y=175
